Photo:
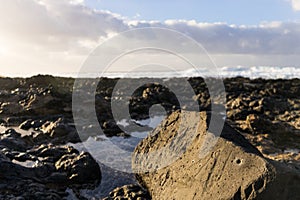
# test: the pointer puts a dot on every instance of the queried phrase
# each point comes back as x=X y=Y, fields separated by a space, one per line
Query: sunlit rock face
x=231 y=169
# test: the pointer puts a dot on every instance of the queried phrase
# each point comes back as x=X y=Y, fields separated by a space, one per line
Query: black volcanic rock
x=45 y=171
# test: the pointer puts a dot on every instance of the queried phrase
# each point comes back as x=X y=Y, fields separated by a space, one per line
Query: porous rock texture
x=128 y=192
x=231 y=168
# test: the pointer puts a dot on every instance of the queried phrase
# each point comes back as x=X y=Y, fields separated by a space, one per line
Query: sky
x=230 y=11
x=57 y=36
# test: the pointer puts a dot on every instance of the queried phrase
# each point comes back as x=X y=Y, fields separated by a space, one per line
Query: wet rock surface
x=37 y=123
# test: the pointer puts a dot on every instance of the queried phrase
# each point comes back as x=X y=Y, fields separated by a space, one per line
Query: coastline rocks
x=79 y=169
x=29 y=123
x=128 y=192
x=286 y=185
x=266 y=112
x=60 y=129
x=13 y=140
x=45 y=172
x=25 y=190
x=232 y=169
x=35 y=96
x=55 y=130
x=10 y=107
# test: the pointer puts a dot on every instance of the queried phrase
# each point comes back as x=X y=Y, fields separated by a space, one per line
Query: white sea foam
x=266 y=72
x=261 y=72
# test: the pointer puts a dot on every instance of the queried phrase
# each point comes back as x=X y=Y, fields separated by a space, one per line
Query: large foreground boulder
x=205 y=166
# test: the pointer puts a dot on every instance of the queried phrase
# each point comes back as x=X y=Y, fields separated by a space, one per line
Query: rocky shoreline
x=37 y=160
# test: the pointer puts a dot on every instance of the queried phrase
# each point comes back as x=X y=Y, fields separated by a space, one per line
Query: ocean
x=265 y=72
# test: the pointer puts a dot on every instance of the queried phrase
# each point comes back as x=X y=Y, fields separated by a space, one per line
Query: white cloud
x=267 y=38
x=77 y=2
x=43 y=36
x=295 y=4
x=56 y=25
x=57 y=35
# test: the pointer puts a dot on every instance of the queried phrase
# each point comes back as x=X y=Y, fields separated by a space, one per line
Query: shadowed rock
x=46 y=172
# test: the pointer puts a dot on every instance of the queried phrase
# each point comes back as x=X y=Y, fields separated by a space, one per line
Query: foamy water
x=261 y=72
x=114 y=157
x=266 y=72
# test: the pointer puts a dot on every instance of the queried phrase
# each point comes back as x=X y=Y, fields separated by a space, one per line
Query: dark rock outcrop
x=43 y=172
x=267 y=113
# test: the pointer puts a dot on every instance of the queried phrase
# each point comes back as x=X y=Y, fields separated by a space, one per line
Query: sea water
x=267 y=72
